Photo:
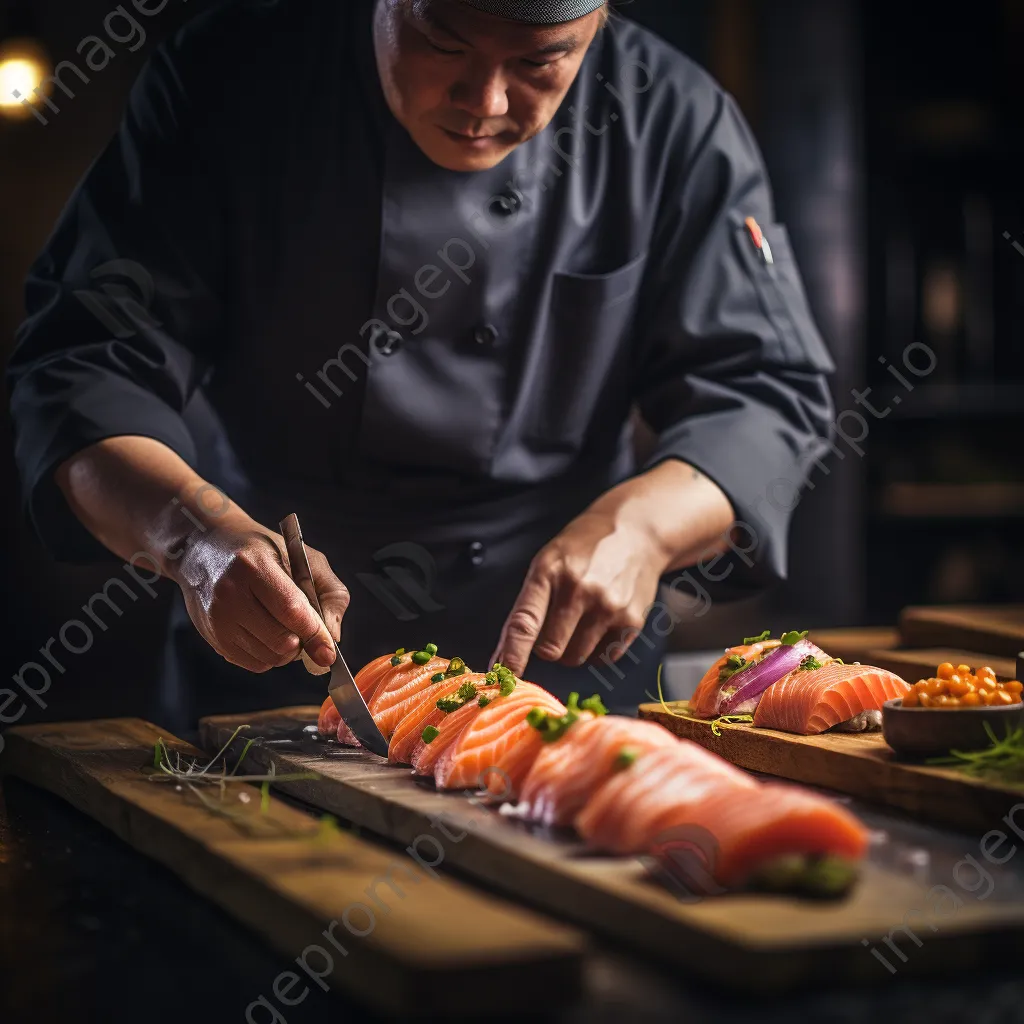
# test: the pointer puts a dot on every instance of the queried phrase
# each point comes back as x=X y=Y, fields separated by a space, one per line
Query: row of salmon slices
x=623 y=784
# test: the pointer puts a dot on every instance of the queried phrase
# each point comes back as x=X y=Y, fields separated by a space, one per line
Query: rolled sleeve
x=733 y=376
x=124 y=306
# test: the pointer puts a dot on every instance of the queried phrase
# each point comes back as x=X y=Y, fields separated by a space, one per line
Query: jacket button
x=477 y=553
x=485 y=335
x=387 y=343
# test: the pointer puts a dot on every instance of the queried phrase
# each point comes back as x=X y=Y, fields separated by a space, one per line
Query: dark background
x=892 y=131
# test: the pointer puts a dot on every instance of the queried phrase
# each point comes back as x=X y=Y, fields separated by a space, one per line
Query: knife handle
x=297 y=558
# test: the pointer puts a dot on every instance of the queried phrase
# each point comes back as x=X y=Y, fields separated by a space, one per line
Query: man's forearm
x=686 y=514
x=135 y=494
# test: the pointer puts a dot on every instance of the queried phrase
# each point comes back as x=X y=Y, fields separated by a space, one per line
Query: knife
x=342 y=687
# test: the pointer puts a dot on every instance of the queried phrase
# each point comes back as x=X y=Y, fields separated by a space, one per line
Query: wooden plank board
x=429 y=946
x=921 y=664
x=998 y=629
x=860 y=764
x=758 y=943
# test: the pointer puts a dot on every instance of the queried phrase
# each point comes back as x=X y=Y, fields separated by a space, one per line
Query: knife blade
x=342 y=686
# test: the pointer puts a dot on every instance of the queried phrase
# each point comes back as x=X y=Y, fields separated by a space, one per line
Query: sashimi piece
x=713 y=691
x=623 y=815
x=397 y=689
x=422 y=711
x=737 y=824
x=708 y=695
x=329 y=724
x=448 y=726
x=811 y=702
x=498 y=747
x=566 y=773
x=737 y=836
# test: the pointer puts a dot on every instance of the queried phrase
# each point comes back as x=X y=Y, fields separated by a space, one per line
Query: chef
x=412 y=269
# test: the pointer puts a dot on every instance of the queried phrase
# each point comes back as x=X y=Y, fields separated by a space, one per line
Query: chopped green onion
x=449 y=704
x=264 y=797
x=484 y=701
x=421 y=657
x=537 y=717
x=467 y=691
x=748 y=640
x=456 y=667
x=438 y=678
x=430 y=734
x=809 y=664
x=507 y=683
x=627 y=755
x=594 y=705
x=791 y=638
x=431 y=649
x=400 y=651
x=733 y=664
x=396 y=660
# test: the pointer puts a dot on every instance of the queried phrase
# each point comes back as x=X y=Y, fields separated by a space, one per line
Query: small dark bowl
x=934 y=732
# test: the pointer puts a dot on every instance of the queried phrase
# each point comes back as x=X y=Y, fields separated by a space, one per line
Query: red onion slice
x=770 y=669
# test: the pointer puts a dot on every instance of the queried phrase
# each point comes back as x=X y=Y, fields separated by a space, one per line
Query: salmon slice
x=449 y=725
x=422 y=711
x=739 y=835
x=708 y=695
x=397 y=690
x=623 y=815
x=811 y=702
x=498 y=747
x=567 y=772
x=329 y=724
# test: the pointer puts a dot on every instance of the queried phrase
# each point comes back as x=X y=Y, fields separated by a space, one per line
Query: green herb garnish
x=717 y=723
x=467 y=691
x=507 y=685
x=431 y=649
x=748 y=640
x=594 y=705
x=456 y=667
x=449 y=704
x=400 y=652
x=554 y=727
x=627 y=756
x=396 y=660
x=733 y=664
x=793 y=637
x=484 y=701
x=438 y=678
x=1002 y=761
x=421 y=657
x=430 y=734
x=809 y=664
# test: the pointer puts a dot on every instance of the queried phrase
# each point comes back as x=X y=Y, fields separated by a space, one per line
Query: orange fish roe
x=960 y=687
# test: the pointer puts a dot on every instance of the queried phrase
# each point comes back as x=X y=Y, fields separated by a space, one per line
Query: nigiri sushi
x=496 y=749
x=728 y=675
x=740 y=825
x=847 y=697
x=568 y=771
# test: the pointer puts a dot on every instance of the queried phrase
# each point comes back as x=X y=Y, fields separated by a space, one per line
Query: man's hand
x=138 y=497
x=599 y=577
x=595 y=578
x=243 y=600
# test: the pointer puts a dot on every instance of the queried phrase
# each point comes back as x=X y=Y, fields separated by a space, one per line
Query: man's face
x=469 y=87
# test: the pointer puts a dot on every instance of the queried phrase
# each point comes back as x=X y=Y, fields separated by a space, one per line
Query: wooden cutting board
x=998 y=629
x=861 y=764
x=431 y=946
x=744 y=941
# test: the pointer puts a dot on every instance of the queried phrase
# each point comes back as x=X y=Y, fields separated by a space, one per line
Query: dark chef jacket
x=436 y=370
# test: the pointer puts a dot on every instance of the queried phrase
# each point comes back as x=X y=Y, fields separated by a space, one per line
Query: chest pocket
x=783 y=299
x=581 y=351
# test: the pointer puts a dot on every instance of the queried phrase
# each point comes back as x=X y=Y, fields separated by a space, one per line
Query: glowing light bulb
x=23 y=69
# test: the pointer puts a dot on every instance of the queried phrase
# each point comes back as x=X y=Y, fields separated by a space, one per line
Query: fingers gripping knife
x=342 y=686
